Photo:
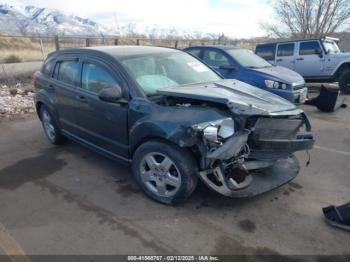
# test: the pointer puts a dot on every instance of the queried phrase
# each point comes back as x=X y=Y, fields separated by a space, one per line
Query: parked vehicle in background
x=244 y=65
x=173 y=119
x=317 y=60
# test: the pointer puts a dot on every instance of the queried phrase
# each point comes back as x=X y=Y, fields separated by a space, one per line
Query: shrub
x=12 y=59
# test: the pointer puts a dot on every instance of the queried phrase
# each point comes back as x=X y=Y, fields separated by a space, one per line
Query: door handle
x=81 y=99
x=279 y=60
x=300 y=58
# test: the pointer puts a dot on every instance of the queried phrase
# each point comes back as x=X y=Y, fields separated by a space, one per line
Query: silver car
x=315 y=59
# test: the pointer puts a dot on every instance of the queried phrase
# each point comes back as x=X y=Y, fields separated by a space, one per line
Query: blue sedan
x=244 y=65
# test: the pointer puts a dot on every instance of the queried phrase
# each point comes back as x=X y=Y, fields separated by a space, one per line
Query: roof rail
x=330 y=38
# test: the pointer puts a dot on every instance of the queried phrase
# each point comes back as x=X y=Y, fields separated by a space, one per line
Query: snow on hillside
x=31 y=20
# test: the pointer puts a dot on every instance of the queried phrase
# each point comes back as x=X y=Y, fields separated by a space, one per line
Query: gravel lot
x=16 y=100
x=69 y=200
x=16 y=89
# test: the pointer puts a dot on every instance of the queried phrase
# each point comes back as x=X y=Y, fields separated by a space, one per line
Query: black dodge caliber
x=173 y=119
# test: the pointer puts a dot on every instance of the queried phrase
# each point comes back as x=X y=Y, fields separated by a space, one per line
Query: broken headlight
x=210 y=133
x=216 y=130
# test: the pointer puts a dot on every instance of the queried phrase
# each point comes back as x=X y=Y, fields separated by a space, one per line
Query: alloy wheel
x=160 y=174
x=48 y=126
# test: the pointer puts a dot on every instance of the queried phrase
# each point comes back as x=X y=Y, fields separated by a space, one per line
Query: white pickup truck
x=317 y=60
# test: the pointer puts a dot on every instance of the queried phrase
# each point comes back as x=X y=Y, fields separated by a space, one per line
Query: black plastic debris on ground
x=327 y=100
x=338 y=216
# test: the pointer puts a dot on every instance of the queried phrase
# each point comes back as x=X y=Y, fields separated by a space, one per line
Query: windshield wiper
x=154 y=94
x=258 y=67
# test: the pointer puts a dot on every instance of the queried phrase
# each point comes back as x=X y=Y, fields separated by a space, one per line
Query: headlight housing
x=211 y=133
x=275 y=84
x=216 y=130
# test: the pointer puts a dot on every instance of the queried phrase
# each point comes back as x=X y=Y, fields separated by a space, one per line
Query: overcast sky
x=235 y=18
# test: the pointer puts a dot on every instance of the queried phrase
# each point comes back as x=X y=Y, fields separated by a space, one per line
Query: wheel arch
x=38 y=106
x=341 y=69
x=39 y=103
x=149 y=130
x=155 y=138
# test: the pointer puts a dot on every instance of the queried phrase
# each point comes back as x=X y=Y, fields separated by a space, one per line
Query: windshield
x=331 y=47
x=248 y=59
x=156 y=71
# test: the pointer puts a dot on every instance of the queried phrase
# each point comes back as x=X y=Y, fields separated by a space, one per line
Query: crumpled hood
x=239 y=97
x=282 y=74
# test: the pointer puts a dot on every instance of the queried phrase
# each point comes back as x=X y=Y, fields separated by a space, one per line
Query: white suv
x=315 y=59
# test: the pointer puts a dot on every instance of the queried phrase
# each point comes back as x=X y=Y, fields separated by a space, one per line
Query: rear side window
x=194 y=52
x=95 y=78
x=266 y=51
x=67 y=72
x=285 y=49
x=310 y=48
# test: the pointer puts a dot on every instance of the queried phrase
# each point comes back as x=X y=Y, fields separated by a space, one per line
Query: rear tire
x=165 y=172
x=344 y=81
x=51 y=129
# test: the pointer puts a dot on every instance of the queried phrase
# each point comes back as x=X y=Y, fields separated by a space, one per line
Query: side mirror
x=319 y=53
x=227 y=67
x=111 y=94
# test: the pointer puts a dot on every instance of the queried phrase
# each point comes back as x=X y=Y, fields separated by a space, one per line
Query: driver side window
x=310 y=48
x=95 y=78
x=215 y=58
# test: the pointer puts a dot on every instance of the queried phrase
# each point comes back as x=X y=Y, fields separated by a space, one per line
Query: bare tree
x=308 y=18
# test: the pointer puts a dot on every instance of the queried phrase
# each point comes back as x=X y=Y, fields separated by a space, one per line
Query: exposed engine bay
x=247 y=154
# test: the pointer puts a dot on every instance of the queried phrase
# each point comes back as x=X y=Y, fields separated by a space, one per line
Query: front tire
x=165 y=172
x=344 y=81
x=51 y=129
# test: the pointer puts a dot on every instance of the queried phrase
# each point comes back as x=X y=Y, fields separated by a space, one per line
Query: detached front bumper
x=258 y=159
x=263 y=180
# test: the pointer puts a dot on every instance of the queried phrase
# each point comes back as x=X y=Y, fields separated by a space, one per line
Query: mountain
x=32 y=20
x=12 y=21
x=155 y=31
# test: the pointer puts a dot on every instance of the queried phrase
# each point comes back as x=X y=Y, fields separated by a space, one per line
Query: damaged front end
x=247 y=156
x=251 y=149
